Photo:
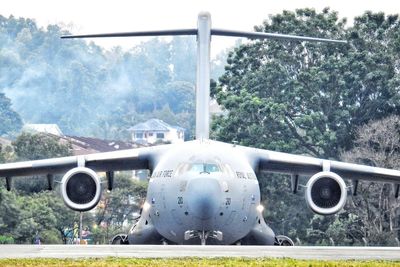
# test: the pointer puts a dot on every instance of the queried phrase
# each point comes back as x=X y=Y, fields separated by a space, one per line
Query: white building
x=42 y=128
x=154 y=131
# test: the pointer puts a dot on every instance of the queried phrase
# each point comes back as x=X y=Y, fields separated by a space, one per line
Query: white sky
x=99 y=16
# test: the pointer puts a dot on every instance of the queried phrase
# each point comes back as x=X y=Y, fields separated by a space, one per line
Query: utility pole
x=80 y=227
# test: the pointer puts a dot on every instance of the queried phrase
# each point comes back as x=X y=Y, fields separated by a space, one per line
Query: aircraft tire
x=119 y=240
x=283 y=240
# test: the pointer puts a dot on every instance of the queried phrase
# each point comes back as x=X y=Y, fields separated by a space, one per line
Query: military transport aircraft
x=202 y=191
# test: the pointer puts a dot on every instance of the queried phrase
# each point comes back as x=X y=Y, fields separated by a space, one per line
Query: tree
x=310 y=97
x=272 y=102
x=377 y=211
x=36 y=146
x=23 y=217
x=36 y=216
x=80 y=86
x=2 y=157
x=180 y=97
x=29 y=146
x=29 y=210
x=9 y=211
x=10 y=121
x=120 y=206
x=126 y=198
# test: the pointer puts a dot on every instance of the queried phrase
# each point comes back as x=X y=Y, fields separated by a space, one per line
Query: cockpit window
x=198 y=168
x=204 y=167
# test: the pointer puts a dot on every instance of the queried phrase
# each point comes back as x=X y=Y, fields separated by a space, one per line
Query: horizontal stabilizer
x=220 y=32
x=262 y=35
x=136 y=34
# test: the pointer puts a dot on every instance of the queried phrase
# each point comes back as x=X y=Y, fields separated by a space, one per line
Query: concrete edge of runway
x=173 y=251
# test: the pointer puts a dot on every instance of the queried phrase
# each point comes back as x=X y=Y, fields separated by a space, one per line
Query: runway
x=159 y=251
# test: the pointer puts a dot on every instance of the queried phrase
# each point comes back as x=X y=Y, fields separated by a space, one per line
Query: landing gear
x=120 y=239
x=203 y=235
x=282 y=240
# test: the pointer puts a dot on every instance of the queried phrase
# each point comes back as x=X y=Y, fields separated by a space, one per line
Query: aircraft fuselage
x=202 y=190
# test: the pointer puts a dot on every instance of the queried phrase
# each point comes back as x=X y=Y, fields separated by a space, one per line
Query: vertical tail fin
x=203 y=76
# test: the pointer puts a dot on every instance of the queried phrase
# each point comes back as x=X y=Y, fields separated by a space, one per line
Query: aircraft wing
x=131 y=159
x=80 y=186
x=271 y=161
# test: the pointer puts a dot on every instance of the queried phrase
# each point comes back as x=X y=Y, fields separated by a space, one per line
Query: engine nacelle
x=326 y=193
x=81 y=189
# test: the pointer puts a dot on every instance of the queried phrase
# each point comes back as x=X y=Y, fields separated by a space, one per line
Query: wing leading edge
x=131 y=159
x=271 y=161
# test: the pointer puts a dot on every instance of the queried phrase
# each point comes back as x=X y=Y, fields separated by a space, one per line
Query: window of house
x=160 y=135
x=139 y=135
x=150 y=134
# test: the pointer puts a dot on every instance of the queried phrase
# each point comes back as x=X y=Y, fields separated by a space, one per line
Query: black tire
x=284 y=240
x=119 y=240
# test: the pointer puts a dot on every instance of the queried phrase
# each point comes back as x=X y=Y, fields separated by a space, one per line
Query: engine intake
x=326 y=193
x=81 y=189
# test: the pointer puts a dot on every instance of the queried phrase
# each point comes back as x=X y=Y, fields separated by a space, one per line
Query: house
x=79 y=145
x=88 y=145
x=157 y=131
x=84 y=145
x=42 y=128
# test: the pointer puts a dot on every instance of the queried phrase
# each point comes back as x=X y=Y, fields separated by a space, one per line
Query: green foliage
x=10 y=120
x=375 y=206
x=81 y=87
x=32 y=147
x=310 y=97
x=2 y=157
x=34 y=211
x=119 y=209
x=39 y=146
x=6 y=154
x=22 y=217
x=6 y=240
x=285 y=212
x=30 y=211
x=9 y=212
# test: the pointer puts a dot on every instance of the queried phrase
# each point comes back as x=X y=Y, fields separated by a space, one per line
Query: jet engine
x=81 y=189
x=326 y=193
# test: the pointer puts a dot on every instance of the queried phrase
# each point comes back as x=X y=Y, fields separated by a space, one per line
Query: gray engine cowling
x=81 y=189
x=326 y=193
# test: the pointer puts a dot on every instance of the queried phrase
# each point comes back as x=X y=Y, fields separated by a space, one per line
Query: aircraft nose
x=203 y=197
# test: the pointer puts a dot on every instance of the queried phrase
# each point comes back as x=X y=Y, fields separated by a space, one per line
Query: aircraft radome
x=202 y=191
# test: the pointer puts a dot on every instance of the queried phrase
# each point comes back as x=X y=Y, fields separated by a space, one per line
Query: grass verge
x=182 y=262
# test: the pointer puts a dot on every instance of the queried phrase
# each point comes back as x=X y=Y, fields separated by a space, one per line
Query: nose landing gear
x=203 y=235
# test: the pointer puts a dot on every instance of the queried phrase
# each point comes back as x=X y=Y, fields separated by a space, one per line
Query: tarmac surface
x=173 y=251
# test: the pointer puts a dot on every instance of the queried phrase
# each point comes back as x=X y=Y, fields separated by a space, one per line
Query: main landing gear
x=120 y=239
x=282 y=240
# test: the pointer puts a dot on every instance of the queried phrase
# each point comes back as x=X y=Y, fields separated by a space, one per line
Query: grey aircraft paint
x=203 y=186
